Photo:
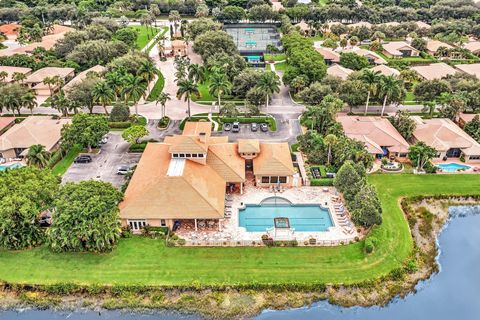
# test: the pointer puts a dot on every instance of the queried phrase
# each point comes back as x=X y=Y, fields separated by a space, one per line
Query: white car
x=123 y=170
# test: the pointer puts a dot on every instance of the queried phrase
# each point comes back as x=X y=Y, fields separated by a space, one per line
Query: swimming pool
x=10 y=166
x=452 y=167
x=302 y=217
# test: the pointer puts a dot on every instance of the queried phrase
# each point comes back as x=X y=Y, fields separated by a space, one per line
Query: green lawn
x=62 y=166
x=157 y=88
x=145 y=34
x=275 y=57
x=146 y=261
x=280 y=66
x=163 y=31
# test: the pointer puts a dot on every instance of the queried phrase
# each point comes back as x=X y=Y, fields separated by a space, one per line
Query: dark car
x=83 y=159
x=236 y=127
x=254 y=127
x=227 y=126
x=264 y=127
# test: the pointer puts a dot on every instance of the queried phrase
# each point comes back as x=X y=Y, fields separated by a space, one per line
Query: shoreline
x=427 y=216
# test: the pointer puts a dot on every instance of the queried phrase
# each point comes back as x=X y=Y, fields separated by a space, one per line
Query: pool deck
x=471 y=170
x=232 y=234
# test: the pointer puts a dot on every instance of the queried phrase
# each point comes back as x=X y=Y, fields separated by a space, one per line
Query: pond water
x=454 y=293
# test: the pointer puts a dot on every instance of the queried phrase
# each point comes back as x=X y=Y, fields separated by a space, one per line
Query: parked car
x=104 y=140
x=264 y=127
x=236 y=127
x=227 y=127
x=83 y=159
x=123 y=170
x=254 y=127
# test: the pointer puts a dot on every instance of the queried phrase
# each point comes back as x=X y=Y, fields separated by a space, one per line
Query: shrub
x=119 y=125
x=321 y=182
x=369 y=246
x=119 y=113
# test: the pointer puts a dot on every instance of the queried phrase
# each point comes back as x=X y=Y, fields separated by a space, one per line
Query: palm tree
x=187 y=88
x=391 y=90
x=269 y=83
x=219 y=85
x=115 y=81
x=330 y=141
x=19 y=77
x=29 y=100
x=37 y=156
x=196 y=73
x=174 y=16
x=229 y=109
x=52 y=83
x=3 y=76
x=147 y=71
x=371 y=78
x=162 y=99
x=103 y=94
x=134 y=88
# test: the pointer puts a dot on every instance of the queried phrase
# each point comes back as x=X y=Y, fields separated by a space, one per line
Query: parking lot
x=104 y=165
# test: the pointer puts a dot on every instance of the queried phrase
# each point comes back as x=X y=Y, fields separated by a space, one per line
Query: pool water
x=10 y=166
x=302 y=217
x=452 y=167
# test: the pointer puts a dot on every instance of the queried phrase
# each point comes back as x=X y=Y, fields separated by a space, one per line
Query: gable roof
x=374 y=132
x=39 y=75
x=394 y=47
x=472 y=46
x=367 y=53
x=329 y=54
x=273 y=159
x=6 y=122
x=443 y=134
x=360 y=24
x=465 y=117
x=302 y=25
x=33 y=130
x=337 y=70
x=422 y=25
x=82 y=75
x=12 y=70
x=248 y=145
x=473 y=69
x=195 y=128
x=151 y=194
x=386 y=70
x=186 y=144
x=434 y=71
x=433 y=45
x=226 y=162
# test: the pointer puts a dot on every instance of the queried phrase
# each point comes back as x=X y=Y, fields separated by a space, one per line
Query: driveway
x=105 y=164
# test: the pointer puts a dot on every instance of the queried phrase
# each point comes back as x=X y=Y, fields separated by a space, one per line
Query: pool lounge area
x=453 y=167
x=10 y=166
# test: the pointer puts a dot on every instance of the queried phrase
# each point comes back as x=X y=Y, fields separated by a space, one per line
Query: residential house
x=447 y=138
x=35 y=80
x=386 y=70
x=43 y=130
x=82 y=75
x=464 y=118
x=6 y=123
x=372 y=57
x=277 y=5
x=303 y=26
x=399 y=49
x=473 y=69
x=473 y=47
x=187 y=177
x=361 y=24
x=329 y=56
x=422 y=25
x=433 y=45
x=10 y=30
x=434 y=71
x=11 y=70
x=337 y=70
x=380 y=137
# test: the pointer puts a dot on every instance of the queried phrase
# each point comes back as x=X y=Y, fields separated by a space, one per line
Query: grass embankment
x=143 y=261
x=157 y=88
x=145 y=34
x=62 y=166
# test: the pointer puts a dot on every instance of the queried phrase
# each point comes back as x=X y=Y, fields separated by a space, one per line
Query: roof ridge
x=198 y=192
x=219 y=158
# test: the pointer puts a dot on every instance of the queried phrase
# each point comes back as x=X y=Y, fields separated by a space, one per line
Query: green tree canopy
x=353 y=61
x=86 y=218
x=473 y=128
x=85 y=130
x=365 y=207
x=134 y=133
x=404 y=124
x=421 y=154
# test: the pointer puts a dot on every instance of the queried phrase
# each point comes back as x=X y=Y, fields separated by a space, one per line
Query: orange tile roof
x=12 y=70
x=248 y=145
x=274 y=159
x=10 y=29
x=195 y=128
x=5 y=122
x=225 y=160
x=434 y=71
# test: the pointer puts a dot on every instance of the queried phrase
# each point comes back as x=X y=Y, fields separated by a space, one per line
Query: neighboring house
x=390 y=24
x=473 y=69
x=303 y=26
x=434 y=71
x=361 y=24
x=386 y=70
x=82 y=75
x=447 y=138
x=337 y=70
x=372 y=57
x=6 y=123
x=35 y=80
x=329 y=55
x=43 y=130
x=187 y=176
x=433 y=45
x=399 y=49
x=464 y=118
x=12 y=70
x=48 y=42
x=422 y=25
x=10 y=30
x=277 y=5
x=380 y=137
x=473 y=47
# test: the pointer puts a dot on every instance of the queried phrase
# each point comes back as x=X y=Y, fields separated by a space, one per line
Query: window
x=265 y=179
x=194 y=155
x=136 y=225
x=182 y=155
x=283 y=179
x=402 y=155
x=163 y=223
x=201 y=155
x=273 y=179
x=474 y=157
x=188 y=155
x=175 y=155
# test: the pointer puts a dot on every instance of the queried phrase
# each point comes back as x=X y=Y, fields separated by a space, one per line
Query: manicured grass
x=162 y=32
x=157 y=88
x=62 y=166
x=275 y=57
x=281 y=66
x=145 y=34
x=146 y=261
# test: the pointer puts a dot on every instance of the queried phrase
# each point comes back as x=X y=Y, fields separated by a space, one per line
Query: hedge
x=321 y=182
x=120 y=125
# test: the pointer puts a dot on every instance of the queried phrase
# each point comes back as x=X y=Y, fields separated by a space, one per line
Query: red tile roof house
x=380 y=137
x=465 y=118
x=6 y=123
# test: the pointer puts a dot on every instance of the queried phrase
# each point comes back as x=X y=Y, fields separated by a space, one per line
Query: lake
x=453 y=293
